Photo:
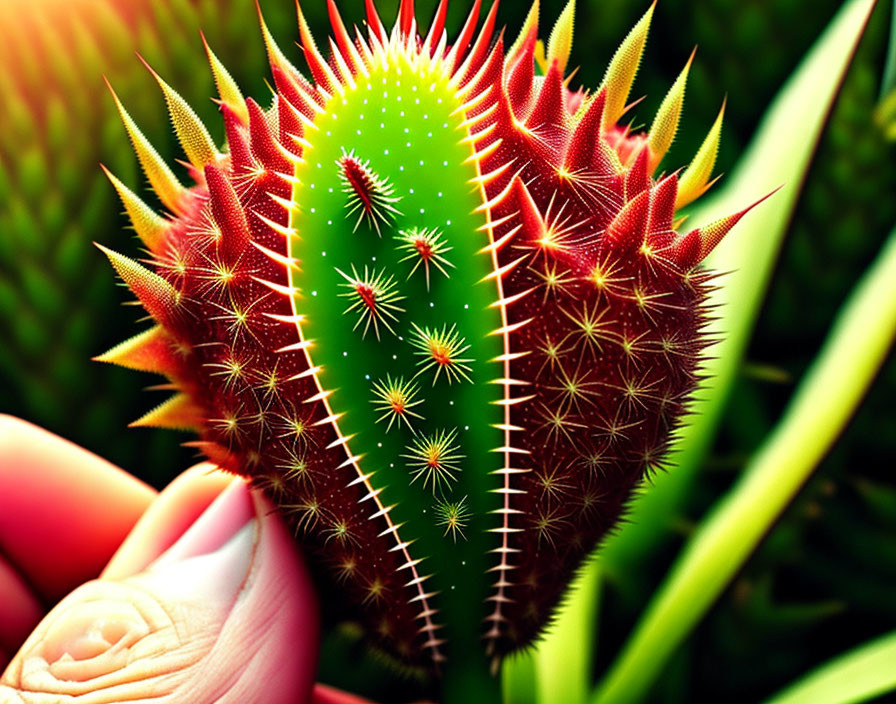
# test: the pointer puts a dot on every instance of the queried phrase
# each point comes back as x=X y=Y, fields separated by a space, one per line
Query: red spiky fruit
x=508 y=344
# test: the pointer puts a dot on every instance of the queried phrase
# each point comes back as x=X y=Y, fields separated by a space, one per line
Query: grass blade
x=856 y=676
x=821 y=407
x=792 y=126
x=558 y=670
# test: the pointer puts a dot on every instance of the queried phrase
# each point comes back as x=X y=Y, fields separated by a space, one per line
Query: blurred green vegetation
x=824 y=578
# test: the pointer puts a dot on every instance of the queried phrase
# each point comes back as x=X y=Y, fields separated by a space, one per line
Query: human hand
x=201 y=595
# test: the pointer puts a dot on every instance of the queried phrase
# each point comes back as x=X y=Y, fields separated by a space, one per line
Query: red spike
x=343 y=40
x=290 y=126
x=436 y=29
x=709 y=237
x=583 y=151
x=628 y=227
x=466 y=34
x=406 y=16
x=228 y=214
x=637 y=179
x=530 y=217
x=521 y=78
x=289 y=89
x=264 y=145
x=686 y=250
x=550 y=105
x=319 y=68
x=481 y=47
x=491 y=74
x=241 y=158
x=662 y=210
x=374 y=21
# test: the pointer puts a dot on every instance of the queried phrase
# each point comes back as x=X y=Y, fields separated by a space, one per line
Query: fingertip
x=63 y=510
x=179 y=505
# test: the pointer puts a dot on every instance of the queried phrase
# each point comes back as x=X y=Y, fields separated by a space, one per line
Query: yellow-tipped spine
x=191 y=133
x=228 y=91
x=695 y=181
x=161 y=178
x=560 y=41
x=150 y=227
x=665 y=124
x=623 y=67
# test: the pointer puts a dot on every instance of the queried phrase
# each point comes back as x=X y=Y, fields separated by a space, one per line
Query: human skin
x=196 y=594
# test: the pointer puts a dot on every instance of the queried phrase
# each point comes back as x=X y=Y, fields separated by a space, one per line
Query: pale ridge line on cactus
x=429 y=626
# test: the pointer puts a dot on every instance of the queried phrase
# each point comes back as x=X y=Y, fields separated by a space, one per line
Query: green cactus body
x=436 y=306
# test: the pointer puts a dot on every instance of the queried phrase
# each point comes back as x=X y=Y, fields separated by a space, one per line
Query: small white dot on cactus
x=329 y=133
x=445 y=125
x=466 y=306
x=466 y=427
x=422 y=211
x=384 y=80
x=367 y=376
x=406 y=129
x=344 y=101
x=452 y=587
x=314 y=293
x=451 y=403
x=312 y=185
x=329 y=222
x=408 y=145
x=365 y=102
x=359 y=132
x=391 y=464
x=345 y=354
x=386 y=152
x=361 y=116
x=379 y=444
x=319 y=165
x=410 y=190
x=444 y=163
x=382 y=125
x=429 y=134
x=417 y=100
x=448 y=222
x=402 y=112
x=323 y=254
x=394 y=356
x=330 y=190
x=414 y=88
x=463 y=562
x=401 y=168
x=425 y=116
x=432 y=305
x=314 y=210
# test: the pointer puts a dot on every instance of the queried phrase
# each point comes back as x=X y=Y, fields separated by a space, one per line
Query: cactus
x=434 y=302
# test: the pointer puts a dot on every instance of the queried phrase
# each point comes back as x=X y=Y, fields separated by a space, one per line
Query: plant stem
x=468 y=680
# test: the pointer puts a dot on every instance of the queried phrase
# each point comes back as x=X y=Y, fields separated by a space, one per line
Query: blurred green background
x=824 y=579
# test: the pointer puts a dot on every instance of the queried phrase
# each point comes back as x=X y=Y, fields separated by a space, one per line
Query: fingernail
x=223 y=519
x=214 y=556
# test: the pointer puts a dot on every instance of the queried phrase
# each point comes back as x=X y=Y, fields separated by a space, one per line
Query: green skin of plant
x=413 y=134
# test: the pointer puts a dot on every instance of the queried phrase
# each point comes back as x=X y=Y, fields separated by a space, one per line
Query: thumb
x=225 y=614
